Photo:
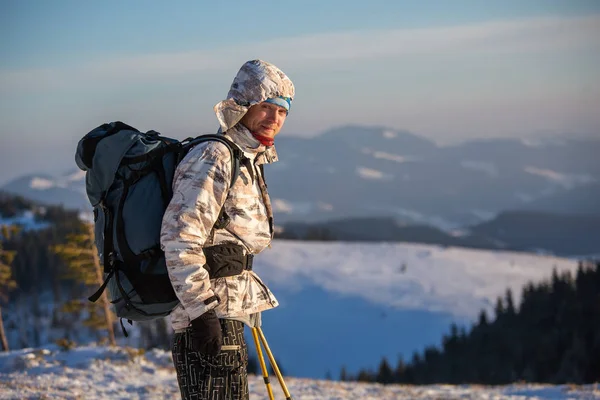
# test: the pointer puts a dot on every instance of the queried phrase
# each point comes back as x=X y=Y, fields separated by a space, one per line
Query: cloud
x=322 y=51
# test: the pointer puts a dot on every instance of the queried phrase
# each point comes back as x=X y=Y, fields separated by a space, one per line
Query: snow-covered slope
x=396 y=297
x=452 y=280
x=103 y=373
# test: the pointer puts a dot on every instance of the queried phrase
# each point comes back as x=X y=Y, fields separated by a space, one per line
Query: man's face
x=265 y=119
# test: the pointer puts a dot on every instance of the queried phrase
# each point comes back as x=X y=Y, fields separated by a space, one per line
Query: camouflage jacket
x=200 y=189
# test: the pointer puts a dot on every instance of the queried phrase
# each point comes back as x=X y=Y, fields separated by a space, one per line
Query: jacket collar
x=252 y=148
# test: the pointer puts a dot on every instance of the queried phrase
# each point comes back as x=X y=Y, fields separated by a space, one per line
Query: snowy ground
x=122 y=373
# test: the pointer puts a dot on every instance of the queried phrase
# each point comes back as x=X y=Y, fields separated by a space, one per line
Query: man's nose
x=273 y=115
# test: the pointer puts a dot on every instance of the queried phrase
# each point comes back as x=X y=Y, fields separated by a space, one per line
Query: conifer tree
x=344 y=375
x=385 y=374
x=400 y=371
x=81 y=258
x=7 y=283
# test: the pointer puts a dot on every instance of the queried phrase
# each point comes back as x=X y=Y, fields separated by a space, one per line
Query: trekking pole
x=287 y=394
x=263 y=366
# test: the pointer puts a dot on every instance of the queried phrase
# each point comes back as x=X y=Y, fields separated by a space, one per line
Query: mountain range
x=361 y=171
x=370 y=172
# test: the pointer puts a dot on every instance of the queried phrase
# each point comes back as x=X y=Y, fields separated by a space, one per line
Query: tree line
x=552 y=336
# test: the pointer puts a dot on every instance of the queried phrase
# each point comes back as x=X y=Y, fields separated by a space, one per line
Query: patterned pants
x=220 y=377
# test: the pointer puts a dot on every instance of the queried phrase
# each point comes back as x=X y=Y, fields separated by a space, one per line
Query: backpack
x=128 y=183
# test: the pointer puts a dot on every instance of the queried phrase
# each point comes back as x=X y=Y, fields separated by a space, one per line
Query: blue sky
x=448 y=71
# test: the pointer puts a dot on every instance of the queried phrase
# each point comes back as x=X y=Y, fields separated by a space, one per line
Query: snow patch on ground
x=123 y=373
x=568 y=181
x=388 y=156
x=368 y=173
x=26 y=221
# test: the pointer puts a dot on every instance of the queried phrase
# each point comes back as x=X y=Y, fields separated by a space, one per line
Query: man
x=210 y=233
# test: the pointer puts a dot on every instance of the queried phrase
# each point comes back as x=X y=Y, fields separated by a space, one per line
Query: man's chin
x=267 y=132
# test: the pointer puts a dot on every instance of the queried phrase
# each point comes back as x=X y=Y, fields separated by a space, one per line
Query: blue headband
x=281 y=101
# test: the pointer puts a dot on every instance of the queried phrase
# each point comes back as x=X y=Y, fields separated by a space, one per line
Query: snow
x=26 y=221
x=284 y=206
x=324 y=206
x=92 y=372
x=75 y=176
x=280 y=205
x=41 y=183
x=388 y=156
x=457 y=281
x=418 y=217
x=86 y=216
x=66 y=181
x=568 y=181
x=289 y=207
x=389 y=134
x=369 y=173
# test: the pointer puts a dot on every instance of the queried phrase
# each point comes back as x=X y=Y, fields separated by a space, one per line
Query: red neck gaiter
x=265 y=140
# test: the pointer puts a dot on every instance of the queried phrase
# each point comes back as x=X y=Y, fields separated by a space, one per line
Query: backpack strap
x=237 y=155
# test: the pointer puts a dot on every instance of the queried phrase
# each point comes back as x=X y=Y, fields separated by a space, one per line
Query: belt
x=227 y=260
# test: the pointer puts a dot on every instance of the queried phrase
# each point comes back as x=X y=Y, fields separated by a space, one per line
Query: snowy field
x=408 y=276
x=122 y=373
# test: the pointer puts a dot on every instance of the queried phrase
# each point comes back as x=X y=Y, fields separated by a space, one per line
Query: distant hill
x=561 y=234
x=580 y=200
x=378 y=230
x=67 y=190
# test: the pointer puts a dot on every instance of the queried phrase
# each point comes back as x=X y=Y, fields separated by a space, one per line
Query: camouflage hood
x=254 y=83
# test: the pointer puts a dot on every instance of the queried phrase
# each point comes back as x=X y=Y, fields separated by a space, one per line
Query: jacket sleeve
x=200 y=188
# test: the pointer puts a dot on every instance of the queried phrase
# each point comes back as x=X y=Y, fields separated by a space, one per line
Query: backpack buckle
x=249 y=262
x=112 y=258
x=109 y=262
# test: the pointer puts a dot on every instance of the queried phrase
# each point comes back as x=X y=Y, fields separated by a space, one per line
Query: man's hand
x=206 y=336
